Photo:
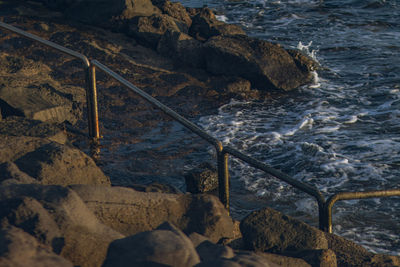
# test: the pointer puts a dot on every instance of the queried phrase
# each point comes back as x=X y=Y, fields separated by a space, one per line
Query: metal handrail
x=324 y=207
x=352 y=195
x=91 y=97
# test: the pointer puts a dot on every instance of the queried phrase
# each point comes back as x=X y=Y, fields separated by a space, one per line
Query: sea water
x=340 y=133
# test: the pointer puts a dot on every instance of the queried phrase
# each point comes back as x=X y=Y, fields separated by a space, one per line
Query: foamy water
x=340 y=133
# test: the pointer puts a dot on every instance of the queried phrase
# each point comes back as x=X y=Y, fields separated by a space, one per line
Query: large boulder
x=56 y=215
x=205 y=25
x=131 y=212
x=148 y=30
x=174 y=9
x=271 y=231
x=166 y=246
x=19 y=249
x=267 y=66
x=54 y=163
x=182 y=48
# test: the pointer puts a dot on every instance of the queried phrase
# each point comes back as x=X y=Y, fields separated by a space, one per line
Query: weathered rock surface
x=26 y=90
x=205 y=25
x=271 y=231
x=319 y=257
x=131 y=212
x=284 y=261
x=267 y=66
x=241 y=258
x=149 y=30
x=202 y=179
x=20 y=126
x=11 y=174
x=174 y=9
x=166 y=246
x=54 y=163
x=75 y=233
x=182 y=48
x=14 y=147
x=156 y=188
x=19 y=249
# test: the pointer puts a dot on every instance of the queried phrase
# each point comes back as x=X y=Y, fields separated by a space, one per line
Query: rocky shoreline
x=57 y=205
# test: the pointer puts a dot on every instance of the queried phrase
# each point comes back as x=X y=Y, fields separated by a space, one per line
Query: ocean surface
x=341 y=133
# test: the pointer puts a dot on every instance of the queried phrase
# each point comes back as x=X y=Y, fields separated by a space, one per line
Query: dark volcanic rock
x=203 y=179
x=149 y=30
x=205 y=25
x=174 y=9
x=271 y=231
x=165 y=246
x=18 y=249
x=267 y=66
x=182 y=48
x=54 y=163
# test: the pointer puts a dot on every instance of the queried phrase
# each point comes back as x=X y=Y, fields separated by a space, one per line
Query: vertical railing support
x=223 y=175
x=92 y=108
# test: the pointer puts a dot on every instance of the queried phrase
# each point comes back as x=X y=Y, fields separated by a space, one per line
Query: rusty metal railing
x=327 y=224
x=91 y=94
x=324 y=207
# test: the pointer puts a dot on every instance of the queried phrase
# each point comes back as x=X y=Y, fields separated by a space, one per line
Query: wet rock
x=85 y=238
x=205 y=25
x=203 y=179
x=149 y=30
x=17 y=248
x=304 y=62
x=130 y=212
x=267 y=66
x=173 y=9
x=54 y=163
x=102 y=12
x=156 y=187
x=182 y=48
x=166 y=246
x=271 y=231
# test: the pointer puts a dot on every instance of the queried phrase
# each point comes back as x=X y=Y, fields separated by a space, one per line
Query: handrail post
x=92 y=107
x=223 y=176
